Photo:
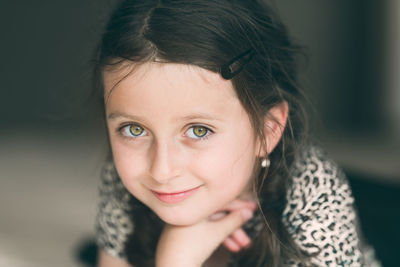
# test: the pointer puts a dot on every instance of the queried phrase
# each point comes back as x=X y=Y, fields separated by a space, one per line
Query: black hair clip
x=233 y=67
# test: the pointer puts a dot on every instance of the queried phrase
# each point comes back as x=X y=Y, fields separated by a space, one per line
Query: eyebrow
x=200 y=115
x=116 y=115
x=194 y=116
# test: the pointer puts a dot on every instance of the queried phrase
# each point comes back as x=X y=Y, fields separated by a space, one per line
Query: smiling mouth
x=171 y=198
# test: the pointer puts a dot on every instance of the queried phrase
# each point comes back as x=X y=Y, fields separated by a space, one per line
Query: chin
x=174 y=218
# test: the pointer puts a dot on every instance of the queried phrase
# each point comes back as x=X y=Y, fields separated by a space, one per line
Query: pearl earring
x=265 y=163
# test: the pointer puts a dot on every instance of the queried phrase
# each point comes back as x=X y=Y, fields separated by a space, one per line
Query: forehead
x=168 y=86
x=175 y=73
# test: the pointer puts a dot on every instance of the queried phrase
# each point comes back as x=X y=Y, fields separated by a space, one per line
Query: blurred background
x=52 y=140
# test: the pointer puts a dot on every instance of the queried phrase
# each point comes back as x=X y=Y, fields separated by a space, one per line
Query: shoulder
x=319 y=213
x=314 y=173
x=113 y=222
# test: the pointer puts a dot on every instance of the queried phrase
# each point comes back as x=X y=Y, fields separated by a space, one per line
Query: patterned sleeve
x=320 y=214
x=113 y=223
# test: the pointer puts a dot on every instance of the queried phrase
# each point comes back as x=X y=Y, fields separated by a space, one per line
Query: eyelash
x=206 y=136
x=124 y=127
x=121 y=130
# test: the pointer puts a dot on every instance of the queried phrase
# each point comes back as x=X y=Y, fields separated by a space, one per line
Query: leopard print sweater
x=319 y=214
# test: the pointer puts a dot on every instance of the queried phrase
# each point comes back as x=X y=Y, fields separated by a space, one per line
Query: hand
x=239 y=239
x=192 y=245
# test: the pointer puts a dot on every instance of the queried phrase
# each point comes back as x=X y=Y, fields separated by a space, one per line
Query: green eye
x=136 y=130
x=200 y=131
x=133 y=131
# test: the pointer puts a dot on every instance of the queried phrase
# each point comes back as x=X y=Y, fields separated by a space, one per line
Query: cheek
x=227 y=165
x=130 y=164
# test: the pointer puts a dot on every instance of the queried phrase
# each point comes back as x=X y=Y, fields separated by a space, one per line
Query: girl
x=205 y=126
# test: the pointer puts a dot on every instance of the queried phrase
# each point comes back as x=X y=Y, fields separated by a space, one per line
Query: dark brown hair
x=211 y=34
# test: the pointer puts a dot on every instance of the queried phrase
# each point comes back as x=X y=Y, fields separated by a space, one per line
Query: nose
x=165 y=163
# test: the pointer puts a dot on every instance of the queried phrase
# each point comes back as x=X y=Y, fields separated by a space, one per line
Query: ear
x=274 y=125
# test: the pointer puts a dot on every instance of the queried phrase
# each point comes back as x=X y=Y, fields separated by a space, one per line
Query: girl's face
x=182 y=142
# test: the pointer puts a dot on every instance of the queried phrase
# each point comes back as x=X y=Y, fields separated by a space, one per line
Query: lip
x=176 y=197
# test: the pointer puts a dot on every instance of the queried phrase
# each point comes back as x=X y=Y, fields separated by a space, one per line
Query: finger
x=240 y=204
x=234 y=205
x=241 y=238
x=218 y=215
x=231 y=245
x=225 y=226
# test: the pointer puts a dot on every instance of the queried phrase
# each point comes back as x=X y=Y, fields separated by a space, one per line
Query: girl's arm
x=106 y=260
x=192 y=245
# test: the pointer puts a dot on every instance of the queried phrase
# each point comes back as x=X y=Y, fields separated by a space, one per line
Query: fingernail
x=247 y=214
x=217 y=216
